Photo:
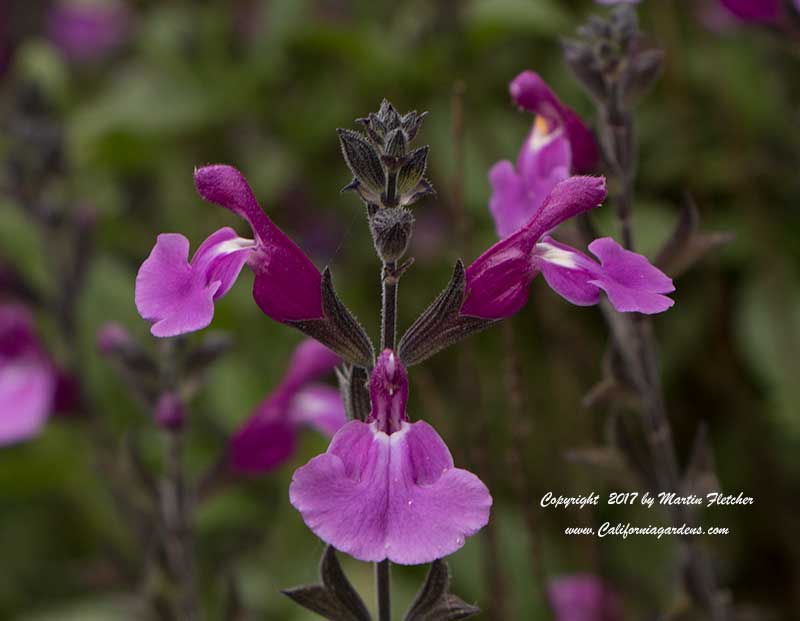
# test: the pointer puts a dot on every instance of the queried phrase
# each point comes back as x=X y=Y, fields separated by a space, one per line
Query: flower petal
x=319 y=406
x=377 y=496
x=568 y=198
x=309 y=361
x=754 y=10
x=264 y=443
x=507 y=204
x=568 y=272
x=498 y=281
x=630 y=281
x=543 y=161
x=171 y=294
x=26 y=396
x=221 y=257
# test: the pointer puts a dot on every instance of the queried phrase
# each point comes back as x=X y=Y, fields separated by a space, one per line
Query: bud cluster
x=388 y=174
x=610 y=61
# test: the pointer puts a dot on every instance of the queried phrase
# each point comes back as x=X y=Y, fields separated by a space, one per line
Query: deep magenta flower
x=86 y=31
x=178 y=295
x=498 y=282
x=763 y=11
x=530 y=200
x=28 y=378
x=558 y=144
x=269 y=437
x=583 y=597
x=387 y=488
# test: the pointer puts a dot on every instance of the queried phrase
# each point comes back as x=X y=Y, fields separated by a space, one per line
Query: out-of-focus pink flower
x=269 y=437
x=28 y=379
x=111 y=336
x=763 y=11
x=88 y=30
x=583 y=597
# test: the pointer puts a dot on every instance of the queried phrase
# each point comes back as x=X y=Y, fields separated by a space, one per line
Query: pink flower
x=269 y=437
x=528 y=201
x=178 y=295
x=28 y=379
x=583 y=597
x=387 y=488
x=86 y=31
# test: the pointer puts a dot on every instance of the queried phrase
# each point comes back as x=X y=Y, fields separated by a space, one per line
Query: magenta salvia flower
x=269 y=437
x=28 y=379
x=765 y=11
x=558 y=144
x=498 y=282
x=86 y=31
x=178 y=295
x=531 y=200
x=387 y=488
x=583 y=597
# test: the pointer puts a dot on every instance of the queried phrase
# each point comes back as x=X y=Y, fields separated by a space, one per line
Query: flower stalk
x=389 y=286
x=616 y=75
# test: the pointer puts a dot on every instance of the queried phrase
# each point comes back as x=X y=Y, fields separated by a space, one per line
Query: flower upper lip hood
x=28 y=379
x=287 y=285
x=530 y=92
x=387 y=488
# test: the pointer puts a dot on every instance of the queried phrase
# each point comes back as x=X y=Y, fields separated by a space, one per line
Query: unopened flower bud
x=388 y=115
x=364 y=162
x=169 y=413
x=580 y=60
x=112 y=337
x=391 y=231
x=643 y=71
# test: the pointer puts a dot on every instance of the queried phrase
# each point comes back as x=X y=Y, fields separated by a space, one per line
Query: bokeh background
x=167 y=86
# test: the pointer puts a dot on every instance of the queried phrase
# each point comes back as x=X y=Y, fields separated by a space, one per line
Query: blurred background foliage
x=262 y=85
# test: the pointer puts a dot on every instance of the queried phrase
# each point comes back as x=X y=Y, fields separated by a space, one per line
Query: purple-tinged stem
x=390 y=279
x=635 y=341
x=177 y=504
x=176 y=508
